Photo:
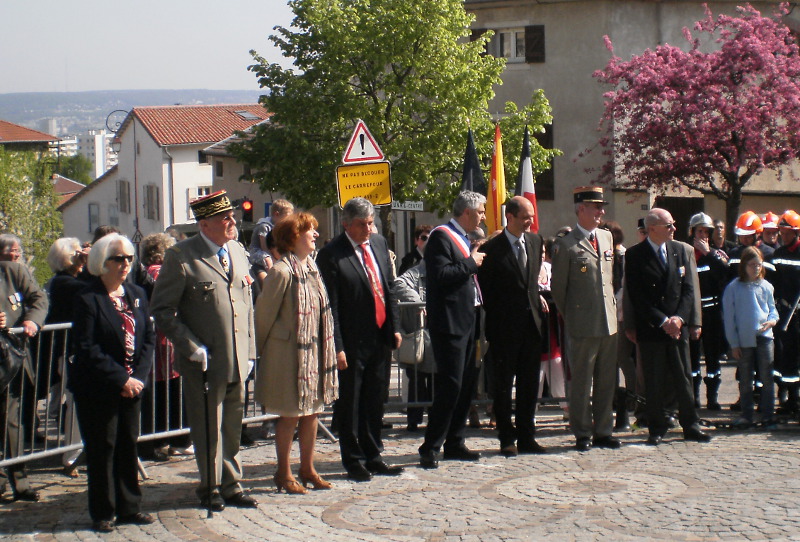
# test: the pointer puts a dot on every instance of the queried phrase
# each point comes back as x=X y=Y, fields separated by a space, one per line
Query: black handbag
x=13 y=352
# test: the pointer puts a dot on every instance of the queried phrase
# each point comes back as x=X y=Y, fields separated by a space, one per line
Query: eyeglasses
x=668 y=225
x=423 y=237
x=120 y=258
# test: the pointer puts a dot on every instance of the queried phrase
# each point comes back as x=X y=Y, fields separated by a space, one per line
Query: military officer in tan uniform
x=202 y=302
x=583 y=292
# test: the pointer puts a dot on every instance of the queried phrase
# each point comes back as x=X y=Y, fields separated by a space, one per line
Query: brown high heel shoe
x=290 y=485
x=315 y=480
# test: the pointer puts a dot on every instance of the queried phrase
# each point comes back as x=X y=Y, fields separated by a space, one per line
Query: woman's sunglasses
x=121 y=258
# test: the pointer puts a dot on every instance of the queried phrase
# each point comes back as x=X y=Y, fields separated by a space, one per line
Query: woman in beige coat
x=294 y=334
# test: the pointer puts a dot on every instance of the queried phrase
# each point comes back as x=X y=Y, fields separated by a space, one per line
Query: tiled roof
x=220 y=148
x=187 y=124
x=62 y=185
x=64 y=203
x=14 y=133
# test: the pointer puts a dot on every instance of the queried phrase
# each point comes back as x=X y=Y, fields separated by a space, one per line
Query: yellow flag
x=496 y=194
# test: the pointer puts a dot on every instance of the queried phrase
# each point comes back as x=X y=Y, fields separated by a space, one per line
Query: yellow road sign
x=370 y=181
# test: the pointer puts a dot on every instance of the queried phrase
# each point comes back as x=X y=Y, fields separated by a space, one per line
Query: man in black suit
x=452 y=298
x=514 y=314
x=356 y=269
x=661 y=290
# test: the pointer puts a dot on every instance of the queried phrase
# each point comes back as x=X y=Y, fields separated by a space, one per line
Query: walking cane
x=208 y=442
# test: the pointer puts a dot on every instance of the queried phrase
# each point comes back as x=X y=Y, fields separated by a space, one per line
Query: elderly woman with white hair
x=66 y=259
x=114 y=342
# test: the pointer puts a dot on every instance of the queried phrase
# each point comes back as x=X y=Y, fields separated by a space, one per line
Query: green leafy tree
x=28 y=206
x=408 y=69
x=78 y=168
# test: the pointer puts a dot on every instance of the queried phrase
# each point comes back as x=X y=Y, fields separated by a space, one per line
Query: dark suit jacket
x=508 y=297
x=450 y=289
x=655 y=293
x=352 y=303
x=99 y=341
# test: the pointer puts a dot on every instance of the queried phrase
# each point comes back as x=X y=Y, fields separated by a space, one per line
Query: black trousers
x=713 y=341
x=109 y=425
x=359 y=408
x=453 y=390
x=420 y=390
x=665 y=366
x=520 y=359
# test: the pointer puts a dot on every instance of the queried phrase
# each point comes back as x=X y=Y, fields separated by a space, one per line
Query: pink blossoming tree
x=707 y=121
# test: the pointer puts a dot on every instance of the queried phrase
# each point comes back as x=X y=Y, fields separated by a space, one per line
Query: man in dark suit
x=660 y=286
x=452 y=298
x=203 y=303
x=514 y=313
x=356 y=269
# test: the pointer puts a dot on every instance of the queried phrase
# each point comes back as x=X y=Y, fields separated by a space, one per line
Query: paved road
x=741 y=486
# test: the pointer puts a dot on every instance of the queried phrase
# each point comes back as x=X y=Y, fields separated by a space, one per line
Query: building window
x=151 y=202
x=124 y=196
x=523 y=44
x=94 y=216
x=113 y=215
x=218 y=168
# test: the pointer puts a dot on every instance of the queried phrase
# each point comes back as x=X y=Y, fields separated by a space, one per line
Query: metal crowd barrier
x=47 y=423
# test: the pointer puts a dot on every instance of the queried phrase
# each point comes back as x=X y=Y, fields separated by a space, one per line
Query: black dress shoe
x=606 y=442
x=241 y=500
x=509 y=450
x=359 y=473
x=583 y=444
x=139 y=518
x=531 y=447
x=103 y=526
x=427 y=460
x=695 y=434
x=461 y=454
x=654 y=440
x=217 y=502
x=26 y=495
x=380 y=467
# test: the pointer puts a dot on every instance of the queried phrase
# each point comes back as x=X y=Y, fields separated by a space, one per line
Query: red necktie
x=593 y=240
x=377 y=287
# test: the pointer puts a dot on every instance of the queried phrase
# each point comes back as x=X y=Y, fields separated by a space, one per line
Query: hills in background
x=76 y=112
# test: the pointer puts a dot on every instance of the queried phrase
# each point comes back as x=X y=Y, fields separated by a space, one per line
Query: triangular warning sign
x=362 y=146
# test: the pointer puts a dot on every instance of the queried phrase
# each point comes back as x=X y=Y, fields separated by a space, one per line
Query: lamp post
x=114 y=122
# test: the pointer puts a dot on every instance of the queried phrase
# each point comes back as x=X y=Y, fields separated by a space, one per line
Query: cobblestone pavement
x=741 y=486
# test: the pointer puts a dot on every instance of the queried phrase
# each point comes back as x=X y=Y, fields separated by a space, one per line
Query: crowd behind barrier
x=49 y=425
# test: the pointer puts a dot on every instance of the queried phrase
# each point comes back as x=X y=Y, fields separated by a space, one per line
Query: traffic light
x=247 y=210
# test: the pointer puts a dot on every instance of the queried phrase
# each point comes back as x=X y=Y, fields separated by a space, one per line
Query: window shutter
x=534 y=45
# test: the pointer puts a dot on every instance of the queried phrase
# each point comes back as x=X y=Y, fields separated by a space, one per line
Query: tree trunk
x=732 y=207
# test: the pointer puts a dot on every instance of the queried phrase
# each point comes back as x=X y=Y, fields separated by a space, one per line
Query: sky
x=58 y=46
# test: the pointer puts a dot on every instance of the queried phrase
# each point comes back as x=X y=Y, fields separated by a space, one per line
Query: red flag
x=525 y=185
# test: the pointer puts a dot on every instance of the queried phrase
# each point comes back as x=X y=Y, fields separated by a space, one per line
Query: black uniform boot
x=697 y=380
x=712 y=392
x=621 y=404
